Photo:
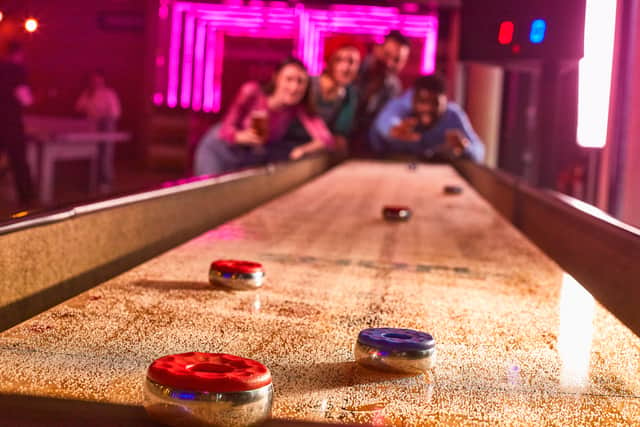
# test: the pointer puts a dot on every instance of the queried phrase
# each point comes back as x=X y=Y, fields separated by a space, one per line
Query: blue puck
x=396 y=339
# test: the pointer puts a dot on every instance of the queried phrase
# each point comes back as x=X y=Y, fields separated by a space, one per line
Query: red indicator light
x=505 y=33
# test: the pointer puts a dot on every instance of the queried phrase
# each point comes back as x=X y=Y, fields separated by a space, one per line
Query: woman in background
x=335 y=96
x=254 y=129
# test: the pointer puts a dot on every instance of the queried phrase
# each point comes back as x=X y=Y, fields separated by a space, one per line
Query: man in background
x=378 y=82
x=424 y=123
x=15 y=95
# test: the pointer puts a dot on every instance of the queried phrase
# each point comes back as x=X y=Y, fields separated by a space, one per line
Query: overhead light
x=31 y=25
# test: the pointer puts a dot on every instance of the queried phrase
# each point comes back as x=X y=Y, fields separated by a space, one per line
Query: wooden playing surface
x=517 y=341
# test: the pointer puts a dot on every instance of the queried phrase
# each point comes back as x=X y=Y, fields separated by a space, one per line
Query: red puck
x=395 y=212
x=209 y=372
x=236 y=266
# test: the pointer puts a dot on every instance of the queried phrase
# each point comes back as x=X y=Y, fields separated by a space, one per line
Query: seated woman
x=254 y=129
x=335 y=95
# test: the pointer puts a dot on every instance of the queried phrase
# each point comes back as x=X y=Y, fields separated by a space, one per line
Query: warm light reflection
x=20 y=214
x=227 y=232
x=595 y=73
x=257 y=304
x=577 y=308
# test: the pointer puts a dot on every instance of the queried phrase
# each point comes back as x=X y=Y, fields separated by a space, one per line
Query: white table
x=53 y=139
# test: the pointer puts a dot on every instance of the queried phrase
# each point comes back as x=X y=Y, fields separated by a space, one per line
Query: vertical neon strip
x=217 y=84
x=318 y=59
x=209 y=70
x=187 y=61
x=302 y=35
x=198 y=74
x=174 y=52
x=307 y=37
x=314 y=54
x=310 y=48
x=430 y=47
x=594 y=82
x=310 y=43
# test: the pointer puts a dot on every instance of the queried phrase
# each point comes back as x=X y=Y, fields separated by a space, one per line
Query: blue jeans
x=215 y=156
x=106 y=152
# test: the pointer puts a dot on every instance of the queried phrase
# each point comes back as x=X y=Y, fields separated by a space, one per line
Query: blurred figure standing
x=101 y=105
x=15 y=95
x=378 y=82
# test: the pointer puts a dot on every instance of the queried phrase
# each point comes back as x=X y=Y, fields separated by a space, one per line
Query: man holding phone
x=424 y=123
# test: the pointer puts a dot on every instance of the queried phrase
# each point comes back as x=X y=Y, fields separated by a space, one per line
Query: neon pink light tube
x=198 y=74
x=201 y=68
x=187 y=62
x=217 y=86
x=209 y=70
x=429 y=49
x=174 y=51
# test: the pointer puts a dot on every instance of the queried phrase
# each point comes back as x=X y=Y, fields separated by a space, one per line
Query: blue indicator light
x=184 y=395
x=538 y=30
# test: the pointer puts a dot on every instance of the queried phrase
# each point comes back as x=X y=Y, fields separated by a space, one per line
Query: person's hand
x=308 y=148
x=456 y=143
x=248 y=137
x=405 y=130
x=297 y=153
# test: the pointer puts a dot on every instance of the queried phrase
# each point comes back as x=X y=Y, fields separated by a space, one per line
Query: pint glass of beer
x=260 y=123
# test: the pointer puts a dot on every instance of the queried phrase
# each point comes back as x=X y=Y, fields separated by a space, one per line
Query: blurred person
x=15 y=95
x=253 y=130
x=335 y=97
x=100 y=104
x=424 y=123
x=378 y=81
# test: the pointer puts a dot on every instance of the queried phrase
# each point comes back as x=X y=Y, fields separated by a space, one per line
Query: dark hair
x=398 y=37
x=307 y=99
x=433 y=83
x=14 y=46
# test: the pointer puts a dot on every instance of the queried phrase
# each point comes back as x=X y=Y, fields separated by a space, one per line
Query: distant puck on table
x=452 y=189
x=237 y=274
x=395 y=349
x=195 y=389
x=396 y=213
